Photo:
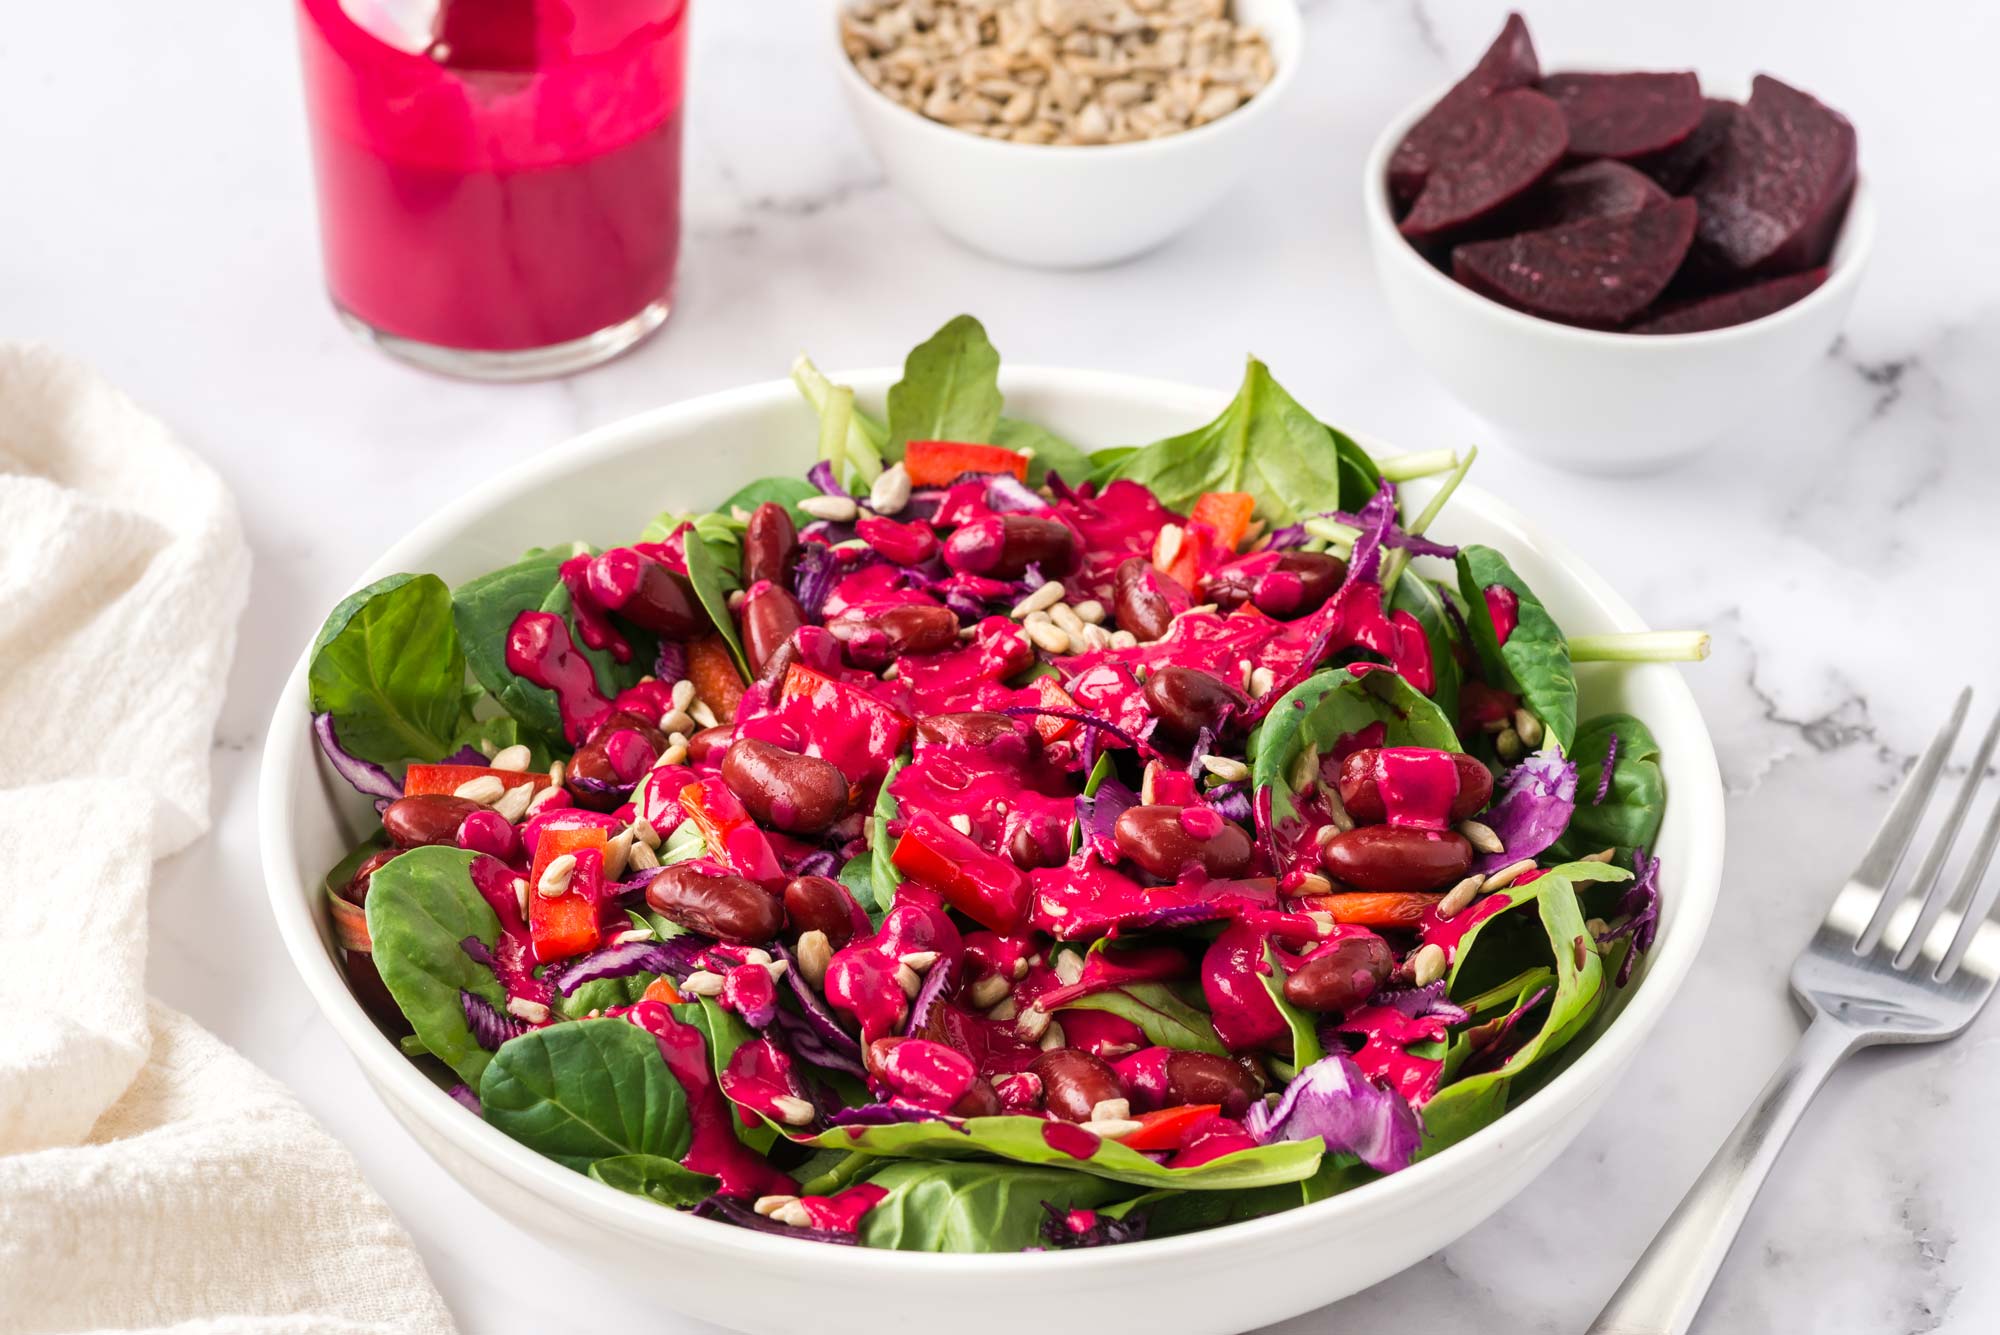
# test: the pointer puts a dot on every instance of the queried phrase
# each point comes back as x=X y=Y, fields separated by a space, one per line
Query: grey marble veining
x=157 y=221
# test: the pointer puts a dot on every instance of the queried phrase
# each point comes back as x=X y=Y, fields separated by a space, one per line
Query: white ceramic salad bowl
x=605 y=486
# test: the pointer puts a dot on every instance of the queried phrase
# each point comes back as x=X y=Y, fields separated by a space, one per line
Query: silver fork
x=1909 y=967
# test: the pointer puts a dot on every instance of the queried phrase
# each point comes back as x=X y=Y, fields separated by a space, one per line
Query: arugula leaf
x=950 y=389
x=1021 y=1139
x=786 y=491
x=1045 y=450
x=1325 y=707
x=655 y=1177
x=1305 y=1039
x=420 y=906
x=1629 y=816
x=1264 y=443
x=1425 y=601
x=713 y=591
x=1167 y=1020
x=973 y=1207
x=883 y=876
x=1534 y=663
x=1539 y=928
x=388 y=666
x=586 y=1090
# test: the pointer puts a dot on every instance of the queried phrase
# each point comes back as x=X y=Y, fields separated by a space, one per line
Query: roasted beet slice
x=1626 y=115
x=1775 y=192
x=1676 y=168
x=1485 y=156
x=1509 y=63
x=1599 y=273
x=1603 y=189
x=1733 y=308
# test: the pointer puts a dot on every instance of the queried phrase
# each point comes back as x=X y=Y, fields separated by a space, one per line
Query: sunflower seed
x=485 y=790
x=701 y=983
x=1427 y=965
x=1049 y=637
x=683 y=694
x=813 y=952
x=1481 y=836
x=987 y=992
x=793 y=1111
x=1090 y=611
x=513 y=803
x=1528 y=728
x=1506 y=876
x=1459 y=896
x=556 y=876
x=1111 y=1110
x=891 y=491
x=514 y=758
x=1226 y=768
x=534 y=1012
x=833 y=509
x=1041 y=600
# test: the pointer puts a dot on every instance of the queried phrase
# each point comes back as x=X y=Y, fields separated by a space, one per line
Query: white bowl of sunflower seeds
x=1065 y=133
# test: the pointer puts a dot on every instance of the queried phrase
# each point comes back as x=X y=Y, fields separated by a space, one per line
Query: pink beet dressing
x=843 y=1211
x=1417 y=785
x=1503 y=607
x=1069 y=1139
x=540 y=650
x=714 y=1150
x=1387 y=1036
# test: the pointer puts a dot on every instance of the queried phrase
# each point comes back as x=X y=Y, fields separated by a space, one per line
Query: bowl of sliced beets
x=838 y=849
x=1615 y=268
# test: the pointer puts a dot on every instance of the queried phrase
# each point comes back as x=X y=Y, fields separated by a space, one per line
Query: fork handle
x=1666 y=1287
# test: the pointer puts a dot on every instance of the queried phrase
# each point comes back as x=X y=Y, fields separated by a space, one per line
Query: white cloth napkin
x=150 y=1178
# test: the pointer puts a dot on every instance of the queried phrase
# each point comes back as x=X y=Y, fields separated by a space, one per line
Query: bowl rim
x=1289 y=31
x=1851 y=249
x=298 y=908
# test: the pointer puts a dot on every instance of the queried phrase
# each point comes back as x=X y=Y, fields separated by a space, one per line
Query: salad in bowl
x=973 y=844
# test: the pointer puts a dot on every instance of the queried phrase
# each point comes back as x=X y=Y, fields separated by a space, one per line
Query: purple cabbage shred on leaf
x=809 y=1045
x=1007 y=494
x=1488 y=1042
x=1639 y=907
x=466 y=755
x=813 y=577
x=1098 y=814
x=1204 y=742
x=1533 y=807
x=890 y=1112
x=1287 y=538
x=490 y=1026
x=821 y=476
x=366 y=777
x=936 y=983
x=819 y=862
x=724 y=1210
x=670 y=663
x=1068 y=1229
x=1087 y=719
x=467 y=1099
x=1604 y=775
x=602 y=787
x=1333 y=1100
x=1231 y=801
x=1417 y=1003
x=1418 y=545
x=673 y=956
x=817 y=1015
x=478 y=952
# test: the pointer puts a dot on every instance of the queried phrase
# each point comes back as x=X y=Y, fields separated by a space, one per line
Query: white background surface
x=155 y=218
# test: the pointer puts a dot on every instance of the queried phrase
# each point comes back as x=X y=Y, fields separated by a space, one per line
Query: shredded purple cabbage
x=817 y=1016
x=366 y=777
x=1058 y=488
x=813 y=576
x=936 y=983
x=726 y=1211
x=674 y=956
x=1204 y=742
x=670 y=663
x=924 y=503
x=490 y=1026
x=890 y=1112
x=1418 y=1002
x=1485 y=1041
x=466 y=755
x=1377 y=518
x=820 y=862
x=1088 y=720
x=467 y=1099
x=1098 y=814
x=1536 y=800
x=1068 y=1229
x=1639 y=906
x=806 y=1042
x=1418 y=545
x=821 y=476
x=1286 y=538
x=1231 y=801
x=583 y=783
x=1167 y=917
x=1333 y=1100
x=478 y=952
x=1007 y=494
x=1604 y=776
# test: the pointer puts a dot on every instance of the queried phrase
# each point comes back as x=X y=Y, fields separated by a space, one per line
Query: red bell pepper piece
x=939 y=463
x=985 y=887
x=1054 y=727
x=860 y=735
x=565 y=925
x=662 y=990
x=1226 y=516
x=420 y=780
x=733 y=838
x=1167 y=1128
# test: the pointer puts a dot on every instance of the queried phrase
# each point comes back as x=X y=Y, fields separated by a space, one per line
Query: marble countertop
x=158 y=222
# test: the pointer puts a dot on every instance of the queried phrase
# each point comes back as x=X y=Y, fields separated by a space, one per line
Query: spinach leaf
x=1264 y=443
x=827 y=1171
x=1534 y=663
x=1305 y=1039
x=1167 y=1019
x=1045 y=450
x=950 y=389
x=713 y=591
x=388 y=666
x=484 y=610
x=656 y=1177
x=1168 y=1213
x=602 y=994
x=1360 y=475
x=584 y=1091
x=1104 y=463
x=1629 y=816
x=1539 y=928
x=883 y=876
x=420 y=906
x=973 y=1207
x=724 y=1032
x=858 y=875
x=1325 y=707
x=1425 y=601
x=786 y=491
x=1021 y=1139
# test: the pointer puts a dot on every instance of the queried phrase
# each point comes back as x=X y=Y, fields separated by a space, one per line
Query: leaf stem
x=1408 y=467
x=1400 y=558
x=863 y=459
x=1644 y=646
x=833 y=424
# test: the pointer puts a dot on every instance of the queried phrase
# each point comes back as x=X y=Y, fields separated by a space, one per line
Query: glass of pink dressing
x=499 y=180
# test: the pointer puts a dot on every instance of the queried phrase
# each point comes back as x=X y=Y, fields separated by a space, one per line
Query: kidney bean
x=770 y=614
x=356 y=889
x=1145 y=600
x=1167 y=841
x=429 y=818
x=876 y=1054
x=1037 y=842
x=1391 y=859
x=1301 y=582
x=1363 y=800
x=729 y=908
x=1186 y=700
x=782 y=789
x=821 y=904
x=704 y=744
x=1004 y=546
x=1008 y=739
x=909 y=628
x=658 y=598
x=1340 y=975
x=1203 y=1077
x=982 y=1100
x=770 y=541
x=1074 y=1082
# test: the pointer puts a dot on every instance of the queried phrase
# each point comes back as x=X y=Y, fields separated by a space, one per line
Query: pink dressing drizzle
x=513 y=952
x=1417 y=785
x=1447 y=933
x=592 y=622
x=1387 y=1035
x=1071 y=1140
x=714 y=1150
x=843 y=1211
x=539 y=650
x=1503 y=606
